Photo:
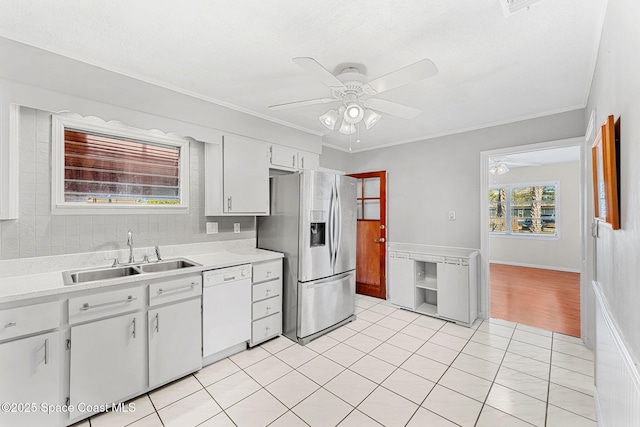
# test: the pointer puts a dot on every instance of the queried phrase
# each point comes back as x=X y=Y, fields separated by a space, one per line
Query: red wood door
x=371 y=251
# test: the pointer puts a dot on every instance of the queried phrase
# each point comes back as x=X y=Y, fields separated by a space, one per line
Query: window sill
x=118 y=210
x=524 y=236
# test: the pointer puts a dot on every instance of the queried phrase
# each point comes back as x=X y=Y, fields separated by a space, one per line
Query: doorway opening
x=532 y=239
x=371 y=254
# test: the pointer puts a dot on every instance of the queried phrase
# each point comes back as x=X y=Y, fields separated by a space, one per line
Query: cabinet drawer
x=15 y=322
x=266 y=328
x=269 y=270
x=175 y=289
x=96 y=306
x=267 y=307
x=266 y=290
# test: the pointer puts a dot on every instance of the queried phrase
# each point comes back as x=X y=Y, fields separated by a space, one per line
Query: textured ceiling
x=492 y=69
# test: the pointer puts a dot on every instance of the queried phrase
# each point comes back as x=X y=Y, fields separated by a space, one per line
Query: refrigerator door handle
x=338 y=225
x=332 y=279
x=331 y=227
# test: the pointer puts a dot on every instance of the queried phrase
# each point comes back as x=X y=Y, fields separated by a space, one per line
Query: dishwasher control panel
x=228 y=274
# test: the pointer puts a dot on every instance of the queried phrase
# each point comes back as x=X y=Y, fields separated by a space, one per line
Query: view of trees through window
x=523 y=209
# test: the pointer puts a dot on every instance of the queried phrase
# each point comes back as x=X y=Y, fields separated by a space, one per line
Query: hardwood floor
x=545 y=299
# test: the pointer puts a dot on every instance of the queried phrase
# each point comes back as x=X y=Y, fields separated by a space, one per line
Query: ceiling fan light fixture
x=502 y=169
x=347 y=128
x=353 y=113
x=330 y=119
x=371 y=118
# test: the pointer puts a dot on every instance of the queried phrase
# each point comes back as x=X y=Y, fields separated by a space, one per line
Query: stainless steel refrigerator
x=313 y=222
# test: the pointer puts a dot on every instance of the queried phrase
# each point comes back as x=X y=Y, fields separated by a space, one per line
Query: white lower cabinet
x=453 y=292
x=401 y=274
x=30 y=376
x=107 y=360
x=433 y=280
x=266 y=294
x=175 y=341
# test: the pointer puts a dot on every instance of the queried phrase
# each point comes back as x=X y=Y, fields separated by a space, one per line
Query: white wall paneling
x=616 y=374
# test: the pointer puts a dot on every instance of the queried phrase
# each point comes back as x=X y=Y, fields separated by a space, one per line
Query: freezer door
x=317 y=201
x=323 y=303
x=345 y=258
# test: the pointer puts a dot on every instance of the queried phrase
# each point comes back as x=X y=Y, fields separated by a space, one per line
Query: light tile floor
x=390 y=367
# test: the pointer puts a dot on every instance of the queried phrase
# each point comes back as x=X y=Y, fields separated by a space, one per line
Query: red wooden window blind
x=104 y=169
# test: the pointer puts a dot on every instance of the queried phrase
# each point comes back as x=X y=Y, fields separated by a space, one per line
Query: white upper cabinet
x=283 y=157
x=290 y=159
x=308 y=160
x=237 y=177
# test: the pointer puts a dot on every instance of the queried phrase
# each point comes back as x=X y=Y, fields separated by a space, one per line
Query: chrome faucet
x=130 y=244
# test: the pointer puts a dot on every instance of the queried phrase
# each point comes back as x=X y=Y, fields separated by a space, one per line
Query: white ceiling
x=542 y=157
x=492 y=69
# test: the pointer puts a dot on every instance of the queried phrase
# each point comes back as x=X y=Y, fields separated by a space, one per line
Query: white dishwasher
x=226 y=310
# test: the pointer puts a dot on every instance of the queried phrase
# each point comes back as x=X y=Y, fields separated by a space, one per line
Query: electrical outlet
x=212 y=227
x=236 y=227
x=452 y=215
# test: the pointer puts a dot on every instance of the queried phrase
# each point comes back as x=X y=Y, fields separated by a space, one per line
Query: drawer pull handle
x=10 y=325
x=86 y=305
x=268 y=308
x=180 y=289
x=227 y=278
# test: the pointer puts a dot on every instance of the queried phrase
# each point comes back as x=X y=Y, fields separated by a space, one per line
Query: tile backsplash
x=37 y=232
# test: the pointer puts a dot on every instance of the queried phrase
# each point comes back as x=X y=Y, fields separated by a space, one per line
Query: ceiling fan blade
x=392 y=108
x=302 y=103
x=319 y=71
x=411 y=73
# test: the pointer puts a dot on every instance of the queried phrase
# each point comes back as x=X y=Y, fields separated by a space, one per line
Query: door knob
x=380 y=240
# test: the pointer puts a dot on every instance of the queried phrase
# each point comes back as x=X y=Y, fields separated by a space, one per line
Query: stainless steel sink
x=167 y=265
x=75 y=277
x=83 y=276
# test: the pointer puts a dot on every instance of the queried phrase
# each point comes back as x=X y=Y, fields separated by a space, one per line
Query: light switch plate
x=236 y=227
x=452 y=215
x=212 y=227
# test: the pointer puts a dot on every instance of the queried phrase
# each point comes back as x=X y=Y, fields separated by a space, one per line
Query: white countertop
x=17 y=288
x=446 y=251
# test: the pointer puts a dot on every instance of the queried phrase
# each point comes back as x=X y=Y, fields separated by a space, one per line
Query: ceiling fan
x=501 y=165
x=355 y=92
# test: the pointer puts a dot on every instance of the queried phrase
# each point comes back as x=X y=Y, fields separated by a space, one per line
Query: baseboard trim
x=544 y=267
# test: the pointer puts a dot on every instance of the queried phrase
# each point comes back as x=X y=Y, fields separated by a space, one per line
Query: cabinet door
x=308 y=160
x=453 y=291
x=283 y=157
x=246 y=176
x=175 y=341
x=30 y=370
x=107 y=360
x=401 y=282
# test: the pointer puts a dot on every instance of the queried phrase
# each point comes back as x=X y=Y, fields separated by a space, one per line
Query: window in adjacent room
x=529 y=209
x=98 y=166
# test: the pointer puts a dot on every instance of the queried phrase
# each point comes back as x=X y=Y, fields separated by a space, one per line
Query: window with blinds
x=102 y=169
x=99 y=165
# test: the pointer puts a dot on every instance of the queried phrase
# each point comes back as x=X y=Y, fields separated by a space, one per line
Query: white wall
x=562 y=253
x=616 y=90
x=428 y=178
x=335 y=159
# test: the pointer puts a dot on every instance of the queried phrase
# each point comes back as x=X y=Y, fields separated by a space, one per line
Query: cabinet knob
x=380 y=240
